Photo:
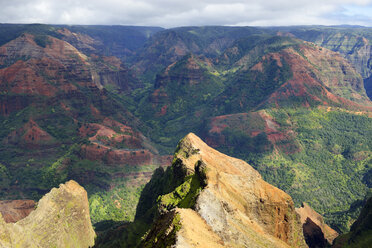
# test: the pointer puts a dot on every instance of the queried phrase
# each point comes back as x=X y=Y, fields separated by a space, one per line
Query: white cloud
x=170 y=13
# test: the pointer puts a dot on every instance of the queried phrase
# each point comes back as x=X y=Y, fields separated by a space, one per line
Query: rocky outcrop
x=60 y=220
x=191 y=77
x=15 y=210
x=230 y=202
x=316 y=232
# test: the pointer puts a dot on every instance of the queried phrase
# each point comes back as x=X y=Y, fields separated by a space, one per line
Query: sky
x=174 y=13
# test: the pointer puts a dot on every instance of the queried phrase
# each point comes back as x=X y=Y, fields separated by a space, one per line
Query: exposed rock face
x=116 y=156
x=111 y=71
x=229 y=199
x=316 y=232
x=303 y=71
x=184 y=228
x=60 y=220
x=15 y=210
x=191 y=73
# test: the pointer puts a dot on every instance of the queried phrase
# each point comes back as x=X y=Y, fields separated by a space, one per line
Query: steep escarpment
x=60 y=220
x=182 y=228
x=227 y=197
x=354 y=44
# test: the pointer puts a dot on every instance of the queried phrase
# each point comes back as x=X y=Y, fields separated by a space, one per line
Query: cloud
x=171 y=13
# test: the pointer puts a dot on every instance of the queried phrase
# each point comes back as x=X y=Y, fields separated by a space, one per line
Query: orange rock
x=238 y=207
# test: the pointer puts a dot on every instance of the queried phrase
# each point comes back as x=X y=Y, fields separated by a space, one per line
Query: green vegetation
x=174 y=111
x=4 y=177
x=241 y=144
x=165 y=191
x=247 y=88
x=118 y=204
x=108 y=203
x=361 y=230
x=165 y=232
x=9 y=32
x=29 y=170
x=328 y=170
x=184 y=196
x=42 y=40
x=178 y=104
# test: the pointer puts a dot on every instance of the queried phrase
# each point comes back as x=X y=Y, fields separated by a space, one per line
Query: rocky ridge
x=235 y=206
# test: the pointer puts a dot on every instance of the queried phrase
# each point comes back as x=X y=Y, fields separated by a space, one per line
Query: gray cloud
x=171 y=13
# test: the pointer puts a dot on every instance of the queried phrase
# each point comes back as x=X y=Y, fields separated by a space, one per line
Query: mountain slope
x=354 y=43
x=60 y=122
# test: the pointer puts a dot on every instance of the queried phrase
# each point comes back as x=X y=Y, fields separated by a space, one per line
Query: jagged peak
x=229 y=195
x=191 y=149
